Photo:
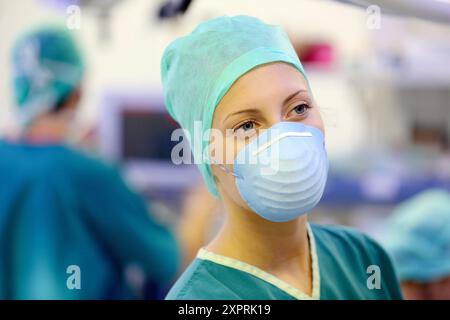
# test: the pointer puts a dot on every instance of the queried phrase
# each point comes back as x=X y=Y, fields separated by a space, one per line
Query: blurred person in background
x=63 y=212
x=418 y=239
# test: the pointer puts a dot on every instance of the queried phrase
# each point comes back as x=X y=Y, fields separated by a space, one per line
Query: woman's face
x=258 y=100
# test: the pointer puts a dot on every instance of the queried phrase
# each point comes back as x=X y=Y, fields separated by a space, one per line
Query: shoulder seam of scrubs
x=182 y=293
x=267 y=277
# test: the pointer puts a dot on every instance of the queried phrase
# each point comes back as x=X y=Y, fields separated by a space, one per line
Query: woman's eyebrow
x=254 y=110
x=293 y=95
x=242 y=111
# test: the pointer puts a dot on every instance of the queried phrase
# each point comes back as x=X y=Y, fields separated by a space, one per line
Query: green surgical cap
x=47 y=66
x=197 y=70
x=419 y=237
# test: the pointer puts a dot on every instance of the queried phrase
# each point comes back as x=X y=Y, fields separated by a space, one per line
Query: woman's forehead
x=274 y=74
x=266 y=84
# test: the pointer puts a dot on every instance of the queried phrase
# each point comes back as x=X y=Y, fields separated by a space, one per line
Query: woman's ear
x=72 y=101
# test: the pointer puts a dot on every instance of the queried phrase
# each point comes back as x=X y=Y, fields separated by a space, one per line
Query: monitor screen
x=135 y=130
x=146 y=135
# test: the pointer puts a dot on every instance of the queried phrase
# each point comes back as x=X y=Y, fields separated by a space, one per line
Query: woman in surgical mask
x=70 y=227
x=239 y=90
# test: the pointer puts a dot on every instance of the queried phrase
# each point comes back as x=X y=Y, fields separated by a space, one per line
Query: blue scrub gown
x=60 y=208
x=345 y=265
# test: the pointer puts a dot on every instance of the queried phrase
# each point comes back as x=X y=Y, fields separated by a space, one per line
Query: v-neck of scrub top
x=267 y=277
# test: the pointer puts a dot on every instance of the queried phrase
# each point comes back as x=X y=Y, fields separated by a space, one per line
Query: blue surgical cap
x=47 y=67
x=197 y=70
x=419 y=237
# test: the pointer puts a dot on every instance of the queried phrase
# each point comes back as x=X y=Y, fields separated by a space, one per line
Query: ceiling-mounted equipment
x=172 y=8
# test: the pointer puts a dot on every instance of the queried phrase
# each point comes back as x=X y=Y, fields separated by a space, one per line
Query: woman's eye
x=245 y=128
x=301 y=109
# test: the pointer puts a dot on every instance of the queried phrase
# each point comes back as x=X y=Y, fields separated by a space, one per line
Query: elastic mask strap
x=223 y=168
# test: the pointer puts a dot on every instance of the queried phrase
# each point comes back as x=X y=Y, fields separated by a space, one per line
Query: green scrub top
x=346 y=264
x=60 y=208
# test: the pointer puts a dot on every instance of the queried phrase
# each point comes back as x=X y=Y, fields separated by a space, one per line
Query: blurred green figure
x=70 y=228
x=419 y=241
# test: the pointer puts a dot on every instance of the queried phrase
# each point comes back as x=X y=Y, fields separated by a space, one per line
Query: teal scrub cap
x=419 y=237
x=197 y=70
x=47 y=66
